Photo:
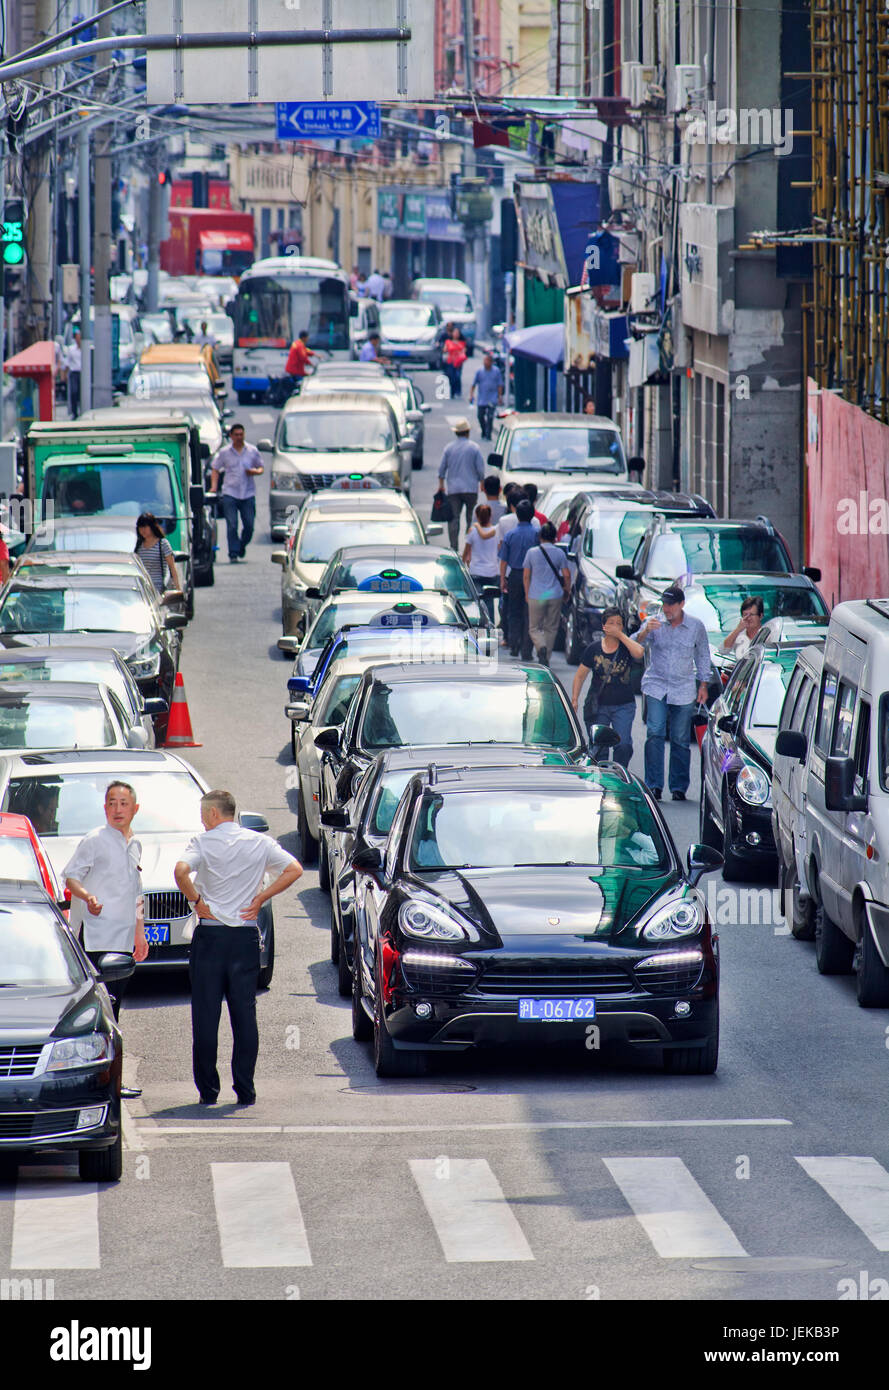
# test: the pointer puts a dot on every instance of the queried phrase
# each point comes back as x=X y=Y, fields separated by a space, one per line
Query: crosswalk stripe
x=55 y=1225
x=470 y=1214
x=676 y=1214
x=860 y=1188
x=258 y=1214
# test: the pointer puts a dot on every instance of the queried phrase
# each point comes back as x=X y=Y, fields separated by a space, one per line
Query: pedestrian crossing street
x=260 y=1225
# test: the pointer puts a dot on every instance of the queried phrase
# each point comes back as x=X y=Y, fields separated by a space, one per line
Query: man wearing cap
x=460 y=473
x=678 y=653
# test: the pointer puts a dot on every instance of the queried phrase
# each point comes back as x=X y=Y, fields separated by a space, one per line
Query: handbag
x=441 y=507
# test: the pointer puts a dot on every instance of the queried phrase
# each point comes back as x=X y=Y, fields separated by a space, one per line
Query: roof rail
x=879 y=605
x=764 y=521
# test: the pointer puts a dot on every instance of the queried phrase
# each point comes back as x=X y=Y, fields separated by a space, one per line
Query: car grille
x=670 y=979
x=42 y=1125
x=565 y=977
x=19 y=1061
x=164 y=907
x=313 y=482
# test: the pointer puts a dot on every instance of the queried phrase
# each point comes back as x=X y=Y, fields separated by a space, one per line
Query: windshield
x=82 y=672
x=74 y=610
x=614 y=534
x=406 y=316
x=146 y=383
x=319 y=539
x=73 y=804
x=567 y=447
x=443 y=712
x=53 y=723
x=109 y=489
x=701 y=550
x=334 y=431
x=18 y=860
x=270 y=311
x=376 y=386
x=336 y=615
x=769 y=697
x=719 y=605
x=35 y=949
x=448 y=301
x=392 y=784
x=487 y=829
x=446 y=572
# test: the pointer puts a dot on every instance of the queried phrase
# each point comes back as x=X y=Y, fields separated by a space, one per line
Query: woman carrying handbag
x=455 y=355
x=611 y=659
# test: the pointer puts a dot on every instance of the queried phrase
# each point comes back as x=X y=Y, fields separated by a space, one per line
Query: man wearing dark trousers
x=221 y=875
x=513 y=549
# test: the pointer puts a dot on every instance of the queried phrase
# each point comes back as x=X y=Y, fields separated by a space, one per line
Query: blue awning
x=544 y=343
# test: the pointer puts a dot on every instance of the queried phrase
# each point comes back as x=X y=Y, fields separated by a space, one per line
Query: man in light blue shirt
x=678 y=652
x=488 y=382
x=460 y=472
x=239 y=464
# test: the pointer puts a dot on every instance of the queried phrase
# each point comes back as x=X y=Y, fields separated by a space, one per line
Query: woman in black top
x=155 y=551
x=611 y=659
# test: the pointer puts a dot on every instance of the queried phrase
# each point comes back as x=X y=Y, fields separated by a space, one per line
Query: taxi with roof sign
x=423 y=609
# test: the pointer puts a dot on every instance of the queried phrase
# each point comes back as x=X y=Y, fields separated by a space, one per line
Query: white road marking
x=132 y=1139
x=262 y=417
x=471 y=1216
x=860 y=1188
x=55 y=1226
x=257 y=1209
x=527 y=1126
x=676 y=1214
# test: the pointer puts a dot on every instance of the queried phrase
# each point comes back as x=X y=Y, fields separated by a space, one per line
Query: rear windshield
x=469 y=712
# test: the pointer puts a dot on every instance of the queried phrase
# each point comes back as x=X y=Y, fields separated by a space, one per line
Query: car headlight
x=88 y=1051
x=145 y=662
x=431 y=923
x=596 y=596
x=753 y=785
x=284 y=482
x=682 y=917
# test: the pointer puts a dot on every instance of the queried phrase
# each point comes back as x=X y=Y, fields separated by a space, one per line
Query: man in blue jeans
x=678 y=653
x=239 y=464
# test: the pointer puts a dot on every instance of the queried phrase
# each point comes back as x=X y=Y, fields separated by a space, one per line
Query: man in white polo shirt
x=104 y=879
x=228 y=865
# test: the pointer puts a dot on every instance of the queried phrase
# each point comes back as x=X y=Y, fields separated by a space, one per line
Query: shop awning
x=543 y=343
x=39 y=357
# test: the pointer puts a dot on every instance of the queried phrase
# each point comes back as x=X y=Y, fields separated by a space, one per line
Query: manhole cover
x=401 y=1089
x=768 y=1264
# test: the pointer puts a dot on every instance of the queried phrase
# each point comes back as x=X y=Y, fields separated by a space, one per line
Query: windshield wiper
x=555 y=864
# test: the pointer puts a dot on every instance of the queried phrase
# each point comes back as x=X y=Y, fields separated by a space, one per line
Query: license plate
x=556 y=1010
x=157 y=933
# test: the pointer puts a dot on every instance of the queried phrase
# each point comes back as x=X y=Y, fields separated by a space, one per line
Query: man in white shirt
x=376 y=285
x=103 y=877
x=228 y=865
x=74 y=363
x=204 y=339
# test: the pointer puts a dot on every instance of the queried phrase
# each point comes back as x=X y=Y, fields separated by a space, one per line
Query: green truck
x=94 y=473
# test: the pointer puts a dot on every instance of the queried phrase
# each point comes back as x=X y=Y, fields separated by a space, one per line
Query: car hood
x=546 y=477
x=325 y=461
x=125 y=643
x=159 y=856
x=30 y=1013
x=399 y=334
x=566 y=900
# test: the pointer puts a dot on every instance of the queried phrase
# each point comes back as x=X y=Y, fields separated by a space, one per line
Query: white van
x=789 y=788
x=846 y=776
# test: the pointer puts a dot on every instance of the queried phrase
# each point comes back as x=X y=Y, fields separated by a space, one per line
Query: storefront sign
x=540 y=245
x=400 y=213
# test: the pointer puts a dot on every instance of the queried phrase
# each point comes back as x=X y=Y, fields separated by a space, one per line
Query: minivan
x=789 y=791
x=846 y=778
x=364 y=319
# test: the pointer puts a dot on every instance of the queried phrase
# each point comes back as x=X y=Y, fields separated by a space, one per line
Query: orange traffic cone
x=179 y=731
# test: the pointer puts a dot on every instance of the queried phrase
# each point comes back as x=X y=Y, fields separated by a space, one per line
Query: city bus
x=276 y=299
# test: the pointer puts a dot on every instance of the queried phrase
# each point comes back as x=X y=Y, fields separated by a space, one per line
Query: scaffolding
x=850 y=188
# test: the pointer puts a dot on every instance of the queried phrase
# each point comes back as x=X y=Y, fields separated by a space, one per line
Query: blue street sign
x=327 y=120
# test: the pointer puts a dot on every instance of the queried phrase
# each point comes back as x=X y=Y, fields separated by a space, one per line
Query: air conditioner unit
x=636 y=83
x=642 y=292
x=685 y=82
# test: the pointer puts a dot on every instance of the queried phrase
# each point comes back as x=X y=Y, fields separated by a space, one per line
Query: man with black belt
x=229 y=865
x=104 y=874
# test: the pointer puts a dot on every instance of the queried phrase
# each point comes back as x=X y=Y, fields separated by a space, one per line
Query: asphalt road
x=550 y=1174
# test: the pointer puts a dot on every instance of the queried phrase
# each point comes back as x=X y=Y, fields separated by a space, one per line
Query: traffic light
x=12 y=240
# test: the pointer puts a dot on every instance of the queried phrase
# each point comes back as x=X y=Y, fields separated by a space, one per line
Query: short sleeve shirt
x=229 y=865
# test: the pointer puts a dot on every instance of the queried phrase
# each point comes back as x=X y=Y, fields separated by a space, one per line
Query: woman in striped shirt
x=155 y=551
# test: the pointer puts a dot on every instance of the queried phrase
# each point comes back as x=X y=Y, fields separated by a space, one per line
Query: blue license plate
x=157 y=933
x=556 y=1010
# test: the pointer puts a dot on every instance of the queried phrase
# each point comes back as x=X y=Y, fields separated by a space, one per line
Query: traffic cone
x=179 y=731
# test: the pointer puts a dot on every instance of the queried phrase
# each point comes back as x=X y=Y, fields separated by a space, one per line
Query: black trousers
x=224 y=964
x=517 y=627
x=115 y=988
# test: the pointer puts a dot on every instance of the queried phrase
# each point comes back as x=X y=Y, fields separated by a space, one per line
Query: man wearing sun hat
x=678 y=651
x=460 y=474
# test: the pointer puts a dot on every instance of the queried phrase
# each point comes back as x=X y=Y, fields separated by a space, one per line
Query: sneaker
x=655 y=792
x=678 y=796
x=233 y=559
x=130 y=1092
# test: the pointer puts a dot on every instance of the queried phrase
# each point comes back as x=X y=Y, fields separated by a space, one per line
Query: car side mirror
x=602 y=736
x=327 y=738
x=335 y=820
x=839 y=786
x=495 y=460
x=289 y=645
x=205 y=451
x=195 y=491
x=115 y=965
x=425 y=408
x=726 y=723
x=252 y=820
x=278 y=557
x=174 y=622
x=368 y=859
x=154 y=705
x=265 y=446
x=625 y=572
x=298 y=711
x=435 y=528
x=790 y=743
x=813 y=573
x=413 y=417
x=314 y=592
x=137 y=737
x=702 y=859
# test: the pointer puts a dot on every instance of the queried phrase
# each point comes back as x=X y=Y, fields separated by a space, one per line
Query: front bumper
x=43 y=1112
x=412 y=352
x=746 y=821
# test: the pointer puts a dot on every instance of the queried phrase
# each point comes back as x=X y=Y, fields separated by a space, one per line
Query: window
x=793 y=690
x=825 y=717
x=736 y=689
x=395 y=830
x=337 y=701
x=842 y=733
x=862 y=749
x=801 y=705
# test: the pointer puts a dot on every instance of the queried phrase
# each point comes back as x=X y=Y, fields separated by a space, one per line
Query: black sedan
x=367 y=820
x=528 y=905
x=737 y=755
x=429 y=706
x=60 y=1049
x=98 y=611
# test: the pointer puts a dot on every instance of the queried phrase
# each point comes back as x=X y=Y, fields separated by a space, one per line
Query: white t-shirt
x=506 y=523
x=229 y=864
x=483 y=552
x=741 y=645
x=108 y=867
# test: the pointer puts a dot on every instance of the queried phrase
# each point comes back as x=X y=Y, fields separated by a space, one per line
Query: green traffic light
x=13 y=253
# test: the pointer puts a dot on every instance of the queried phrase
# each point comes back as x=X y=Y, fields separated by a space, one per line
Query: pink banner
x=847 y=473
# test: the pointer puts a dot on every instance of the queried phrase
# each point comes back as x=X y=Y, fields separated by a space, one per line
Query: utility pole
x=475 y=266
x=155 y=229
x=84 y=243
x=40 y=213
x=103 y=391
